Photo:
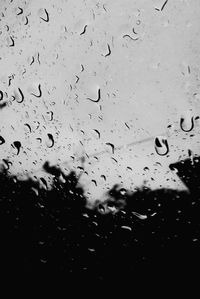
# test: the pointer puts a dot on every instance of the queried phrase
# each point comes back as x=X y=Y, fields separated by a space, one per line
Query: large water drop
x=161 y=146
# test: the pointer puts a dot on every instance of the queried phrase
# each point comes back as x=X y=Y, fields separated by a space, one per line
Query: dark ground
x=53 y=232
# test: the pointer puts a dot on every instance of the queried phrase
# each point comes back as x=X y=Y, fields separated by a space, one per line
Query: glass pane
x=99 y=99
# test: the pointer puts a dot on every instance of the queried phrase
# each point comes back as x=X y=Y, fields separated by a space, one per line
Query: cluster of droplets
x=93 y=96
x=186 y=124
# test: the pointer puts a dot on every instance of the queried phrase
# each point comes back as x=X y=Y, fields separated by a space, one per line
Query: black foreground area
x=53 y=232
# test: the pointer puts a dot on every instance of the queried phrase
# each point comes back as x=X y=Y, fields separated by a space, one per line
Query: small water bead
x=161 y=145
x=107 y=208
x=50 y=141
x=28 y=126
x=1 y=95
x=17 y=145
x=6 y=164
x=112 y=146
x=140 y=216
x=170 y=130
x=2 y=140
x=127 y=228
x=50 y=115
x=122 y=191
x=101 y=209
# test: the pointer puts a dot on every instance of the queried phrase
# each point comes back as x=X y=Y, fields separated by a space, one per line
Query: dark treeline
x=54 y=232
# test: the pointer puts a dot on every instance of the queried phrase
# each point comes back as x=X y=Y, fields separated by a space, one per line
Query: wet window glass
x=99 y=115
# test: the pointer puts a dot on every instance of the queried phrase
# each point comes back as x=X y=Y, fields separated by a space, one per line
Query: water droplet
x=170 y=130
x=142 y=217
x=91 y=249
x=44 y=182
x=6 y=162
x=101 y=209
x=189 y=152
x=94 y=181
x=161 y=145
x=36 y=192
x=129 y=168
x=98 y=96
x=146 y=168
x=17 y=145
x=28 y=126
x=112 y=146
x=187 y=122
x=152 y=215
x=122 y=191
x=50 y=115
x=98 y=133
x=1 y=95
x=103 y=176
x=43 y=14
x=2 y=140
x=50 y=142
x=125 y=227
x=43 y=261
x=111 y=208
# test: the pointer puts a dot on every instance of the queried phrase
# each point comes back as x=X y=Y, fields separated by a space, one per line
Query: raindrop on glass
x=161 y=145
x=187 y=122
x=2 y=140
x=17 y=145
